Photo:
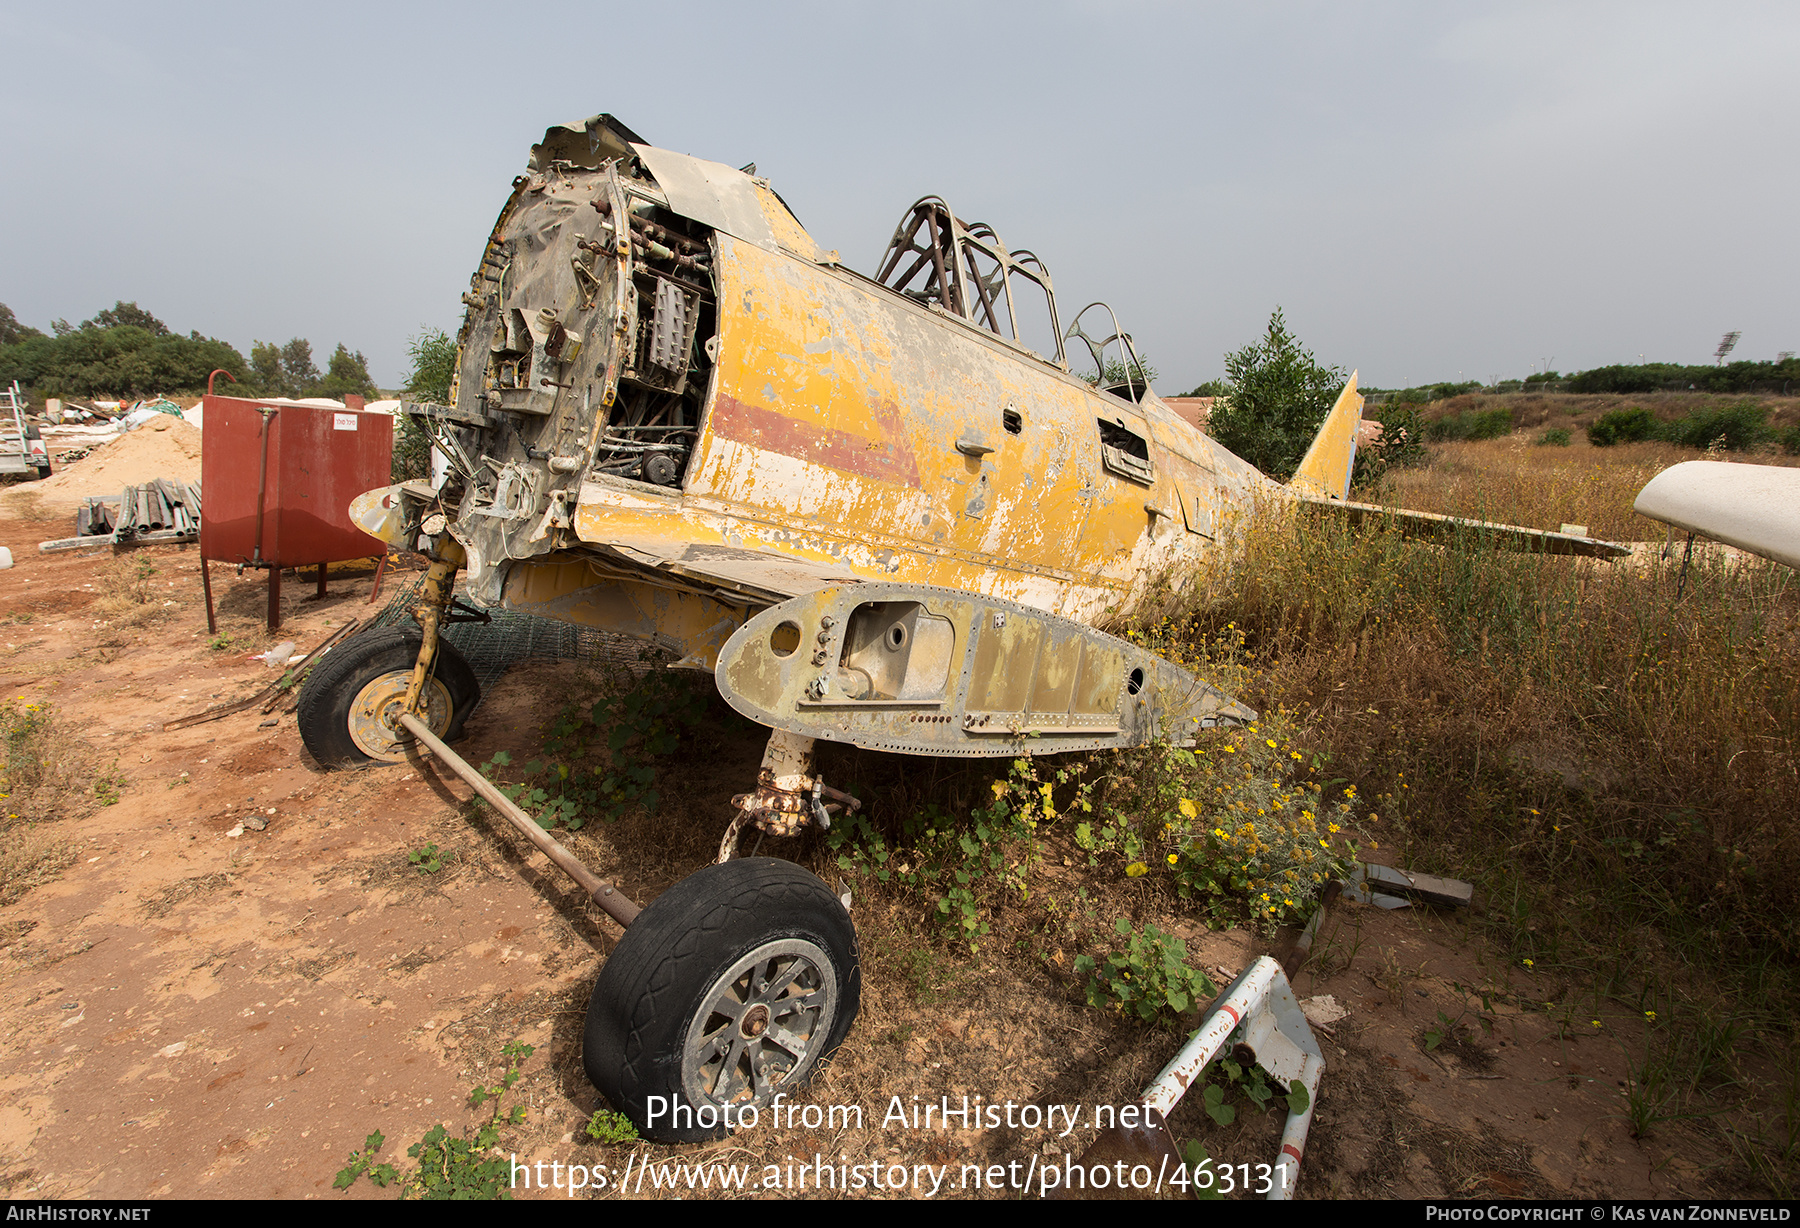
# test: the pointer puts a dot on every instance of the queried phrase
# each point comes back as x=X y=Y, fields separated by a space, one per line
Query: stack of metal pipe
x=161 y=510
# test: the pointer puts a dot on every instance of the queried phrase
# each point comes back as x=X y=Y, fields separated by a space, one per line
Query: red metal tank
x=279 y=479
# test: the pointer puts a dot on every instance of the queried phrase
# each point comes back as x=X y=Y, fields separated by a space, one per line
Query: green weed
x=602 y=761
x=963 y=869
x=606 y=1126
x=1246 y=825
x=1197 y=1172
x=1147 y=977
x=1449 y=1028
x=1254 y=1084
x=450 y=1167
x=428 y=859
x=107 y=786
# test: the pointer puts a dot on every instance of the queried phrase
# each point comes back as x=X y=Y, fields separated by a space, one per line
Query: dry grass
x=1533 y=411
x=26 y=503
x=1515 y=481
x=1612 y=764
x=131 y=595
x=1562 y=715
x=49 y=776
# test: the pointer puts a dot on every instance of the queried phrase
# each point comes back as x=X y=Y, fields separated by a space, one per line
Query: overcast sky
x=1428 y=190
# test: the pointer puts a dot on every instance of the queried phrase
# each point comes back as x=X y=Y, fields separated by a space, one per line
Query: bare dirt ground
x=189 y=1012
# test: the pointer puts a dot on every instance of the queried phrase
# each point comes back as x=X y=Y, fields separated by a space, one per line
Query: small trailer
x=22 y=447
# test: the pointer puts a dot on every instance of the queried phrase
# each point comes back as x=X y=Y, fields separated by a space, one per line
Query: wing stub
x=922 y=670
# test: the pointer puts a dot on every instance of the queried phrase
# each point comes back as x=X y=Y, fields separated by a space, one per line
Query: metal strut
x=611 y=900
x=440 y=583
x=788 y=795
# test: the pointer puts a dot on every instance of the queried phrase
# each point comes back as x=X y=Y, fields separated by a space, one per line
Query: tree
x=434 y=364
x=123 y=361
x=298 y=371
x=130 y=315
x=433 y=356
x=265 y=363
x=11 y=331
x=1277 y=399
x=346 y=373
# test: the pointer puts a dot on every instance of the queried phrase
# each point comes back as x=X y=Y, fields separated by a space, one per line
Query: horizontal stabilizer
x=1459 y=529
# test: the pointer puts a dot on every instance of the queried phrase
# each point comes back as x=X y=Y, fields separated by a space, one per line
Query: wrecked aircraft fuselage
x=880 y=511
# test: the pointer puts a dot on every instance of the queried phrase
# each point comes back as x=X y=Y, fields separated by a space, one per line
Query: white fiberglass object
x=1752 y=507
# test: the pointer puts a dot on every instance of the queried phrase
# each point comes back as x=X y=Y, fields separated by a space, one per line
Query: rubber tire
x=323 y=713
x=657 y=978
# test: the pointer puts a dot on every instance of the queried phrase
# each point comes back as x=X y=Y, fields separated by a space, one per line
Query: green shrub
x=1555 y=437
x=1279 y=398
x=1402 y=444
x=1481 y=424
x=412 y=451
x=1789 y=439
x=1741 y=425
x=1622 y=426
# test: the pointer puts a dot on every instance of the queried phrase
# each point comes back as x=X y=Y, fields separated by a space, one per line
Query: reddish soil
x=198 y=1009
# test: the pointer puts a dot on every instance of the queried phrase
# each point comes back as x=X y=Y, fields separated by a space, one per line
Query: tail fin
x=1332 y=458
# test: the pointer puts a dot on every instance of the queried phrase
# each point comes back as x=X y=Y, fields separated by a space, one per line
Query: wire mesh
x=513 y=638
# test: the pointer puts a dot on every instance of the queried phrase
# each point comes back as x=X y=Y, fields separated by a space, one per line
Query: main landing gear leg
x=788 y=795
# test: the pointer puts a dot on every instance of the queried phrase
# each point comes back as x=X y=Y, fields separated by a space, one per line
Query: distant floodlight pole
x=1726 y=344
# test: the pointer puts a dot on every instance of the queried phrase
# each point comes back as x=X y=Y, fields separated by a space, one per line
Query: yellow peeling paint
x=832 y=435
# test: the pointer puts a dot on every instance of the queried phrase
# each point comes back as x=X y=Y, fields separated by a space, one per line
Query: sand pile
x=164 y=447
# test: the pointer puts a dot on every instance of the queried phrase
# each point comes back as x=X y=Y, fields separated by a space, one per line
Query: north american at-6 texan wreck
x=882 y=511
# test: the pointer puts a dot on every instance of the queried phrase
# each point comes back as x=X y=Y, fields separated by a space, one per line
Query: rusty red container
x=277 y=481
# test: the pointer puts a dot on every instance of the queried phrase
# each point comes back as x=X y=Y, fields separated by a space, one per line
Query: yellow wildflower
x=1188 y=809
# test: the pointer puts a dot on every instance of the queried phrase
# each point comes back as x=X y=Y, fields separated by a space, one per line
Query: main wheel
x=351 y=700
x=727 y=991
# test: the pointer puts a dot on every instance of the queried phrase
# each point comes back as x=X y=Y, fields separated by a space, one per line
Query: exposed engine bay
x=585 y=350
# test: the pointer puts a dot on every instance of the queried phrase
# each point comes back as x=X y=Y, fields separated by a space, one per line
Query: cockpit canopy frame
x=965 y=270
